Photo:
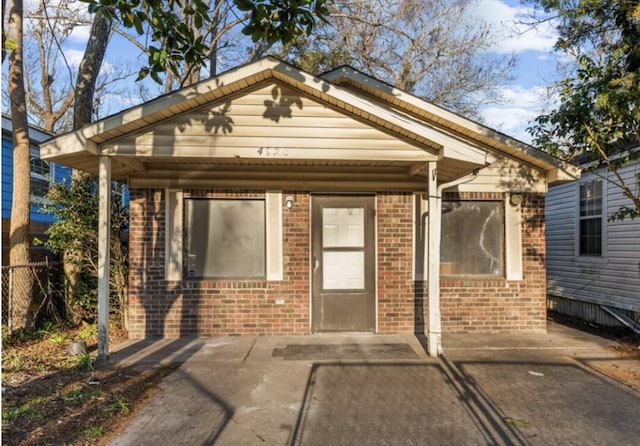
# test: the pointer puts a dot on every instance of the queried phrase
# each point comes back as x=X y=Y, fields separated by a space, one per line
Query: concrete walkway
x=525 y=389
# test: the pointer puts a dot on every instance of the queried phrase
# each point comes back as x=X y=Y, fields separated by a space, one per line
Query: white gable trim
x=434 y=142
x=557 y=170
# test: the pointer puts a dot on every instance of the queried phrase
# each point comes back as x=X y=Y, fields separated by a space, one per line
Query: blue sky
x=526 y=95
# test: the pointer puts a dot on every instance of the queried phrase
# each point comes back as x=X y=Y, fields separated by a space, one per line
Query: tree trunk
x=21 y=199
x=213 y=55
x=89 y=70
x=82 y=114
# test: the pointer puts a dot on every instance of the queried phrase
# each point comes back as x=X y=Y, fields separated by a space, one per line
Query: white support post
x=434 y=333
x=104 y=239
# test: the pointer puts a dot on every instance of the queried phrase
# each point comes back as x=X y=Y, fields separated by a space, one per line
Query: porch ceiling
x=310 y=174
x=316 y=175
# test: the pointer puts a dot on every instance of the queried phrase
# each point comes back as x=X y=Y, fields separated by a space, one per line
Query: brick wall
x=212 y=307
x=396 y=307
x=248 y=307
x=495 y=304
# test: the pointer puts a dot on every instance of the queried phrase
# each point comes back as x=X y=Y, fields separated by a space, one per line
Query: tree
x=21 y=199
x=171 y=23
x=436 y=50
x=48 y=98
x=598 y=114
x=74 y=234
x=51 y=69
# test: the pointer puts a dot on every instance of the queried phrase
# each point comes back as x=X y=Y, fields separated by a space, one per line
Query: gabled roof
x=440 y=135
x=450 y=122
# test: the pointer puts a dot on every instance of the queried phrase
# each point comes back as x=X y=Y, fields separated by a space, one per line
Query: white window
x=590 y=218
x=225 y=238
x=472 y=238
x=40 y=175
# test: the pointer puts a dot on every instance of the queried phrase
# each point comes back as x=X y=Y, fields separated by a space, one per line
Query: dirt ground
x=627 y=350
x=49 y=397
x=626 y=375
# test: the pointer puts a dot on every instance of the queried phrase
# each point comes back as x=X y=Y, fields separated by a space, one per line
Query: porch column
x=104 y=239
x=434 y=333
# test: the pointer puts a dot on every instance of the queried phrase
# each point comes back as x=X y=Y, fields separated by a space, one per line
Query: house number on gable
x=274 y=152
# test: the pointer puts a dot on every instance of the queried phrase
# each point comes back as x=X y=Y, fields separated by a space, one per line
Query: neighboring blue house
x=42 y=174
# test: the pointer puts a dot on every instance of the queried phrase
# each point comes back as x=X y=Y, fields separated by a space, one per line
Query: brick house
x=269 y=201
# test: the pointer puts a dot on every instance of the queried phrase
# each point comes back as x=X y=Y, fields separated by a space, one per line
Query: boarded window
x=472 y=238
x=591 y=218
x=225 y=238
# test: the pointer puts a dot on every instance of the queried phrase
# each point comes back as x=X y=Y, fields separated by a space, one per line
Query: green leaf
x=516 y=422
x=10 y=44
x=144 y=72
x=156 y=77
x=244 y=5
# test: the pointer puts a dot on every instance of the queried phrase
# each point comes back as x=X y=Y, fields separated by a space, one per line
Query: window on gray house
x=472 y=238
x=591 y=218
x=225 y=238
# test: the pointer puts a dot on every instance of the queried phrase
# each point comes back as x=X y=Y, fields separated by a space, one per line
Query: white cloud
x=514 y=34
x=508 y=120
x=73 y=56
x=518 y=96
x=523 y=106
x=76 y=13
x=80 y=34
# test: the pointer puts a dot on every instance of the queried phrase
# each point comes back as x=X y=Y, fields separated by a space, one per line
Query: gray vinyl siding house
x=596 y=278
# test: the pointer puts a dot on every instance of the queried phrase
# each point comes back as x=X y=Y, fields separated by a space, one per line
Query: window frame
x=503 y=240
x=185 y=272
x=593 y=258
x=37 y=173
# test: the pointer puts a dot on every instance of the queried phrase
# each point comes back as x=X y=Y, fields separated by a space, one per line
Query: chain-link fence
x=42 y=279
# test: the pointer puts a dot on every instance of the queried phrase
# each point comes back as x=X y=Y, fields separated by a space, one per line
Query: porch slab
x=532 y=388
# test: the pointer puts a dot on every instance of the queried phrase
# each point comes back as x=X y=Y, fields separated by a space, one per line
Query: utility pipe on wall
x=434 y=333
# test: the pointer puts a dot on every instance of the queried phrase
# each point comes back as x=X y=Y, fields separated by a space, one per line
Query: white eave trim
x=558 y=170
x=243 y=77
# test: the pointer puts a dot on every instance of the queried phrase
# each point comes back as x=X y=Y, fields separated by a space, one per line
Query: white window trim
x=39 y=199
x=273 y=229
x=173 y=246
x=174 y=226
x=602 y=258
x=513 y=240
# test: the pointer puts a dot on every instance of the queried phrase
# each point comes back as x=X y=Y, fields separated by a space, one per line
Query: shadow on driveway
x=463 y=403
x=383 y=390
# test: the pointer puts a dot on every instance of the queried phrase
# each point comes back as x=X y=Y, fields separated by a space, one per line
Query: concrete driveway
x=533 y=389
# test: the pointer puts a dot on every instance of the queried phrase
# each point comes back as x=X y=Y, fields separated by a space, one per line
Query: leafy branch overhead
x=174 y=42
x=597 y=119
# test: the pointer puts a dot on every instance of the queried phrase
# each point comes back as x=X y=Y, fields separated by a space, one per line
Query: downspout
x=434 y=333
